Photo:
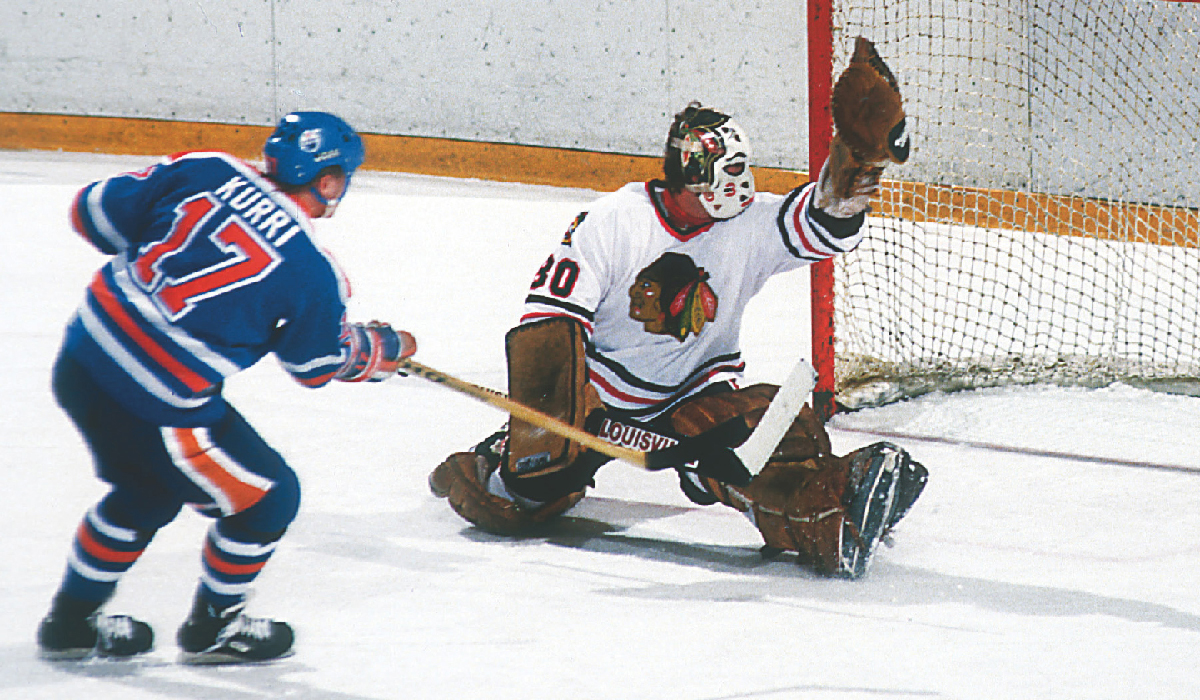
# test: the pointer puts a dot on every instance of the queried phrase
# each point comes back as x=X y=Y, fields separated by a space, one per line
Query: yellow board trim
x=605 y=172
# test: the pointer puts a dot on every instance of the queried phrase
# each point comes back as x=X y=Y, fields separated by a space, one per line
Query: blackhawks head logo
x=672 y=297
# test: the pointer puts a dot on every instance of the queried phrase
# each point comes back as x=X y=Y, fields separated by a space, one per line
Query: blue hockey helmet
x=305 y=143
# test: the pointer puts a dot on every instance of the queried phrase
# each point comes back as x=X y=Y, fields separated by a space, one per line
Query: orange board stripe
x=605 y=172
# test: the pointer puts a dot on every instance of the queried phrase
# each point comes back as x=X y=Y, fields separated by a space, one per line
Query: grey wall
x=604 y=75
x=1061 y=96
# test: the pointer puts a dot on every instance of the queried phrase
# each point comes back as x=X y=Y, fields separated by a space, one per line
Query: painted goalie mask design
x=714 y=158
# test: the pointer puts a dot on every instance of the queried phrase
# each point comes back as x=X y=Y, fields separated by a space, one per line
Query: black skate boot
x=75 y=630
x=211 y=637
x=911 y=477
x=871 y=496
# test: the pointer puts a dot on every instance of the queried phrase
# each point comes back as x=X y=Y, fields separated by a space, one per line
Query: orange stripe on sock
x=101 y=552
x=214 y=560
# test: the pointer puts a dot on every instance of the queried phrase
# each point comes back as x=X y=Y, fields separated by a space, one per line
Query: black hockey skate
x=911 y=477
x=63 y=637
x=212 y=637
x=872 y=493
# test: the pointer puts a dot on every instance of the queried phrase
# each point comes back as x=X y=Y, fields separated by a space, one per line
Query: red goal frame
x=820 y=132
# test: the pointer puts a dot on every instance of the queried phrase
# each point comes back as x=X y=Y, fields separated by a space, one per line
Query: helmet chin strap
x=330 y=204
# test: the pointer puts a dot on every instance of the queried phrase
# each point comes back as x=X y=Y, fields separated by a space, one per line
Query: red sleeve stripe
x=108 y=302
x=77 y=217
x=800 y=224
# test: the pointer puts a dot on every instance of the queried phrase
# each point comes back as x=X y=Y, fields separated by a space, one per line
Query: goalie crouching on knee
x=638 y=313
x=830 y=510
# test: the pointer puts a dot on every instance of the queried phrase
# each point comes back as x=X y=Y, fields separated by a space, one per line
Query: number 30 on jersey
x=558 y=276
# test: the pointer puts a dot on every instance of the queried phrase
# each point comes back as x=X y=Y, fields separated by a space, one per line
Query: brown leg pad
x=462 y=480
x=546 y=371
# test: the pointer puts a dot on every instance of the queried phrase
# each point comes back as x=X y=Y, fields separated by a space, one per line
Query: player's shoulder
x=765 y=208
x=603 y=215
x=632 y=195
x=768 y=203
x=216 y=162
x=196 y=167
x=631 y=200
x=764 y=198
x=203 y=156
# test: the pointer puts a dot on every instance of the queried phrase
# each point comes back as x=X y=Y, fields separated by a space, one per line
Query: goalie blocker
x=830 y=510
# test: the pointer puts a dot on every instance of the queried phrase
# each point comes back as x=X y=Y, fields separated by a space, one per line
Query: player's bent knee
x=275 y=510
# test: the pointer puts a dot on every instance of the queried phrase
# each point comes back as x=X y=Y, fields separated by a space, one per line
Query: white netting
x=1045 y=228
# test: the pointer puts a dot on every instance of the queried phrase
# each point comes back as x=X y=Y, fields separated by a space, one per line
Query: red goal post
x=1046 y=228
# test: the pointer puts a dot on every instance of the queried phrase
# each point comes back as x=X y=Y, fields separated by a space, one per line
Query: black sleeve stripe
x=832 y=225
x=781 y=222
x=625 y=376
x=573 y=309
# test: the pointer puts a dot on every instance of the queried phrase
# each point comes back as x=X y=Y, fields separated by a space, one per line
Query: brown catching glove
x=867 y=110
x=868 y=115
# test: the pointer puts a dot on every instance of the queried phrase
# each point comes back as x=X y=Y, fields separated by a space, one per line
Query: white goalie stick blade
x=784 y=408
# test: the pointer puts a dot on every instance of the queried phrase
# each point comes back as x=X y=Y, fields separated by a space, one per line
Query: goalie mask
x=709 y=154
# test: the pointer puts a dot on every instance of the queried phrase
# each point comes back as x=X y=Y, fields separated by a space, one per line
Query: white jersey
x=662 y=307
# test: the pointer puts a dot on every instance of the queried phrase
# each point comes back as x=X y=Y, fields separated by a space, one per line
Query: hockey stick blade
x=757 y=449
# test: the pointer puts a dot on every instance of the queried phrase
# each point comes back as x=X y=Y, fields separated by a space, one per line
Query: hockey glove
x=373 y=351
x=871 y=132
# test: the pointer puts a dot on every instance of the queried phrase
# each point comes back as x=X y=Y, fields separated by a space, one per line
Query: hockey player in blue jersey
x=213 y=267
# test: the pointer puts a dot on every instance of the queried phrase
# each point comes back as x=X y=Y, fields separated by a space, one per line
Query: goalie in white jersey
x=631 y=330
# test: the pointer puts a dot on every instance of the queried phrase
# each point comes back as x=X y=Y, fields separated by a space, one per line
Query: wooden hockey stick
x=711 y=451
x=525 y=413
x=713 y=458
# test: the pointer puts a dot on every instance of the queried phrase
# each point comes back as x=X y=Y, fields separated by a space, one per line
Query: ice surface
x=1015 y=575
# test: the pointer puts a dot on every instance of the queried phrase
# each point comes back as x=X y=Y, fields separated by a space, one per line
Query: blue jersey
x=212 y=269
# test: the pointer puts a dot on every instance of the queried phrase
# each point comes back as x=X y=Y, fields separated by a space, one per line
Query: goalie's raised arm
x=871 y=132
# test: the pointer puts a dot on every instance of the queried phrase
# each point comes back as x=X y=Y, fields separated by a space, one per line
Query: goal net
x=1045 y=229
